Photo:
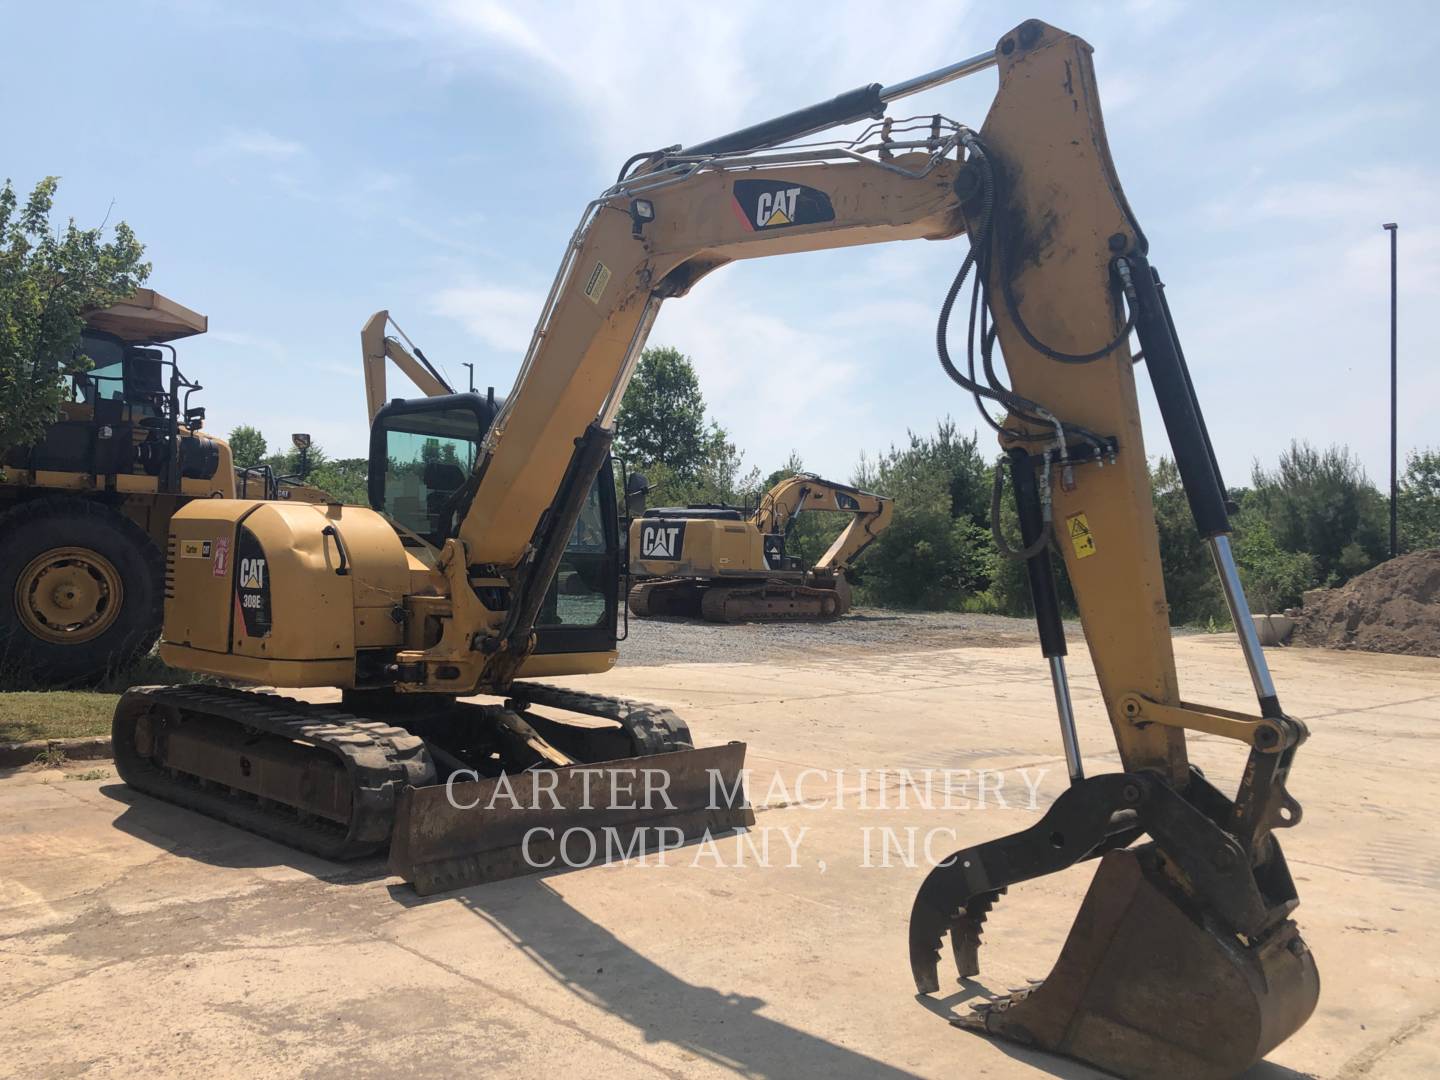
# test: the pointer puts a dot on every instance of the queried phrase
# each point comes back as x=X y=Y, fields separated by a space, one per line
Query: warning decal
x=221 y=564
x=1078 y=526
x=595 y=284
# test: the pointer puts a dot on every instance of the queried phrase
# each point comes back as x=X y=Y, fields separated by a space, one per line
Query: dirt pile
x=1394 y=608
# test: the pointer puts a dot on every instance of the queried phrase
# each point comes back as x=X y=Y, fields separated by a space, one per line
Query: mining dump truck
x=85 y=512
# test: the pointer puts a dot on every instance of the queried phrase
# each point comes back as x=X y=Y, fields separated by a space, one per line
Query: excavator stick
x=1183 y=960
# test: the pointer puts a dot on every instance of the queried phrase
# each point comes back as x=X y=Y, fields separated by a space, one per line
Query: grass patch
x=90 y=774
x=32 y=711
x=55 y=714
x=148 y=670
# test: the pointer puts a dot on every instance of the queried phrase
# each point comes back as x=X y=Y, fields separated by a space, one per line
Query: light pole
x=472 y=375
x=1393 y=229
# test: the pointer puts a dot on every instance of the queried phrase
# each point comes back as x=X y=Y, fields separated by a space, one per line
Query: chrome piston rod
x=1240 y=616
x=1066 y=709
x=940 y=76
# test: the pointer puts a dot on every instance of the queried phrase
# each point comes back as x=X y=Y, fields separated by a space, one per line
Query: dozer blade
x=467 y=832
x=1146 y=987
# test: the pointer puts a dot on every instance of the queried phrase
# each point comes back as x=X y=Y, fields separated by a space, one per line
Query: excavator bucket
x=1182 y=961
x=1146 y=986
x=470 y=831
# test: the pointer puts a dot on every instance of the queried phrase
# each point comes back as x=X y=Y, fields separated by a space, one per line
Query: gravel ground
x=681 y=641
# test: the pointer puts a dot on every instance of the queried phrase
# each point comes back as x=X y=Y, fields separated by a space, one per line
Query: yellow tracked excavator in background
x=729 y=565
x=1183 y=960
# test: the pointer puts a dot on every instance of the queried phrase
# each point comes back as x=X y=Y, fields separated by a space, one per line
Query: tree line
x=1314 y=519
x=343 y=479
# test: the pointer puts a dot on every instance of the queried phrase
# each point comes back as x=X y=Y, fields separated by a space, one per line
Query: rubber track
x=639 y=599
x=379 y=759
x=653 y=729
x=643 y=596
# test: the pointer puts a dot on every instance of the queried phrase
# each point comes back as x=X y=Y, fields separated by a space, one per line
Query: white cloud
x=706 y=69
x=252 y=143
x=501 y=317
x=1279 y=269
x=775 y=385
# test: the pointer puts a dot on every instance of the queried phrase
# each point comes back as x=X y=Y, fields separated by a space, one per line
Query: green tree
x=287 y=462
x=1321 y=502
x=1274 y=578
x=662 y=419
x=1418 y=503
x=247 y=445
x=937 y=552
x=1191 y=587
x=49 y=279
x=793 y=464
x=346 y=479
x=343 y=479
x=721 y=477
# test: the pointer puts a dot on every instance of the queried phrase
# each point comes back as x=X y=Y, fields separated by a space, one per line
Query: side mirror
x=636 y=488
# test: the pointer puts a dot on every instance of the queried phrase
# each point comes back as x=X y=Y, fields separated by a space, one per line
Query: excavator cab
x=422 y=453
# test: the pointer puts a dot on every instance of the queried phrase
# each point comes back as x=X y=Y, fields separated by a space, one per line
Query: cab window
x=106 y=377
x=426 y=464
x=577 y=596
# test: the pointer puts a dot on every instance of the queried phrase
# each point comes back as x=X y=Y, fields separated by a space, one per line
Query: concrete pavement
x=137 y=938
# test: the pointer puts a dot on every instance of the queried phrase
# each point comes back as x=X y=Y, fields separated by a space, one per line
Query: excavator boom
x=376 y=347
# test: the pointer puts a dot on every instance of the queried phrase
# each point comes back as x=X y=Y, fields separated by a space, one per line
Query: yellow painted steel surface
x=707 y=548
x=1062 y=210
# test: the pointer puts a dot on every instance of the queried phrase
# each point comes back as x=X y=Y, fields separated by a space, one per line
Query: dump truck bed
x=148 y=316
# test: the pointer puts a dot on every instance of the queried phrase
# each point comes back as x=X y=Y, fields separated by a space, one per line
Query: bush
x=937 y=553
x=1274 y=578
x=1321 y=502
x=1418 y=503
x=1191 y=587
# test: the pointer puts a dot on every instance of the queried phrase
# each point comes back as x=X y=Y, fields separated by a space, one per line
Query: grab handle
x=344 y=567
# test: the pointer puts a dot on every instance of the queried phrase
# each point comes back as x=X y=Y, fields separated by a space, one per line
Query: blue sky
x=293 y=167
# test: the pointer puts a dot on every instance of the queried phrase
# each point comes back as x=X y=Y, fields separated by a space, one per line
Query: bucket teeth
x=966 y=930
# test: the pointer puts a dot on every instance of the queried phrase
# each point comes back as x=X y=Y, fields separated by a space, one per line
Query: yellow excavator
x=729 y=565
x=1184 y=959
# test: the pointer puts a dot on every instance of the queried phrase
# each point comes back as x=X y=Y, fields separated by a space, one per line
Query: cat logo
x=662 y=540
x=774 y=204
x=252 y=573
x=777 y=208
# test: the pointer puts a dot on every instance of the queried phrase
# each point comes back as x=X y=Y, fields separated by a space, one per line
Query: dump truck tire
x=82 y=592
